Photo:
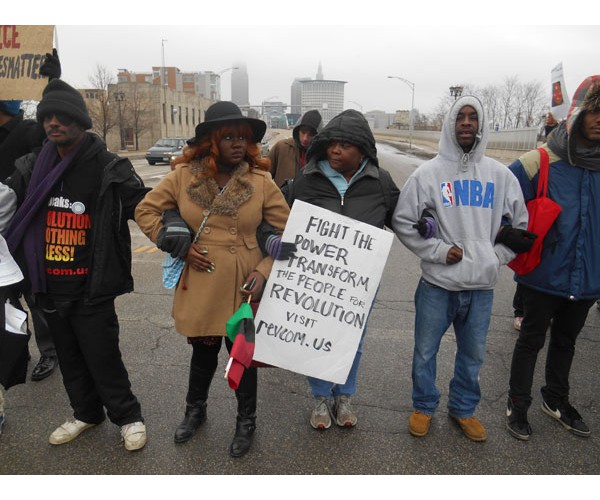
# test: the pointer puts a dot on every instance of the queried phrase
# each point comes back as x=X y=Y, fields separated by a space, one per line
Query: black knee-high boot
x=202 y=369
x=246 y=417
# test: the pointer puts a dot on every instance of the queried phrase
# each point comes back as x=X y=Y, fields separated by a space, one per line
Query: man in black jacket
x=71 y=239
x=343 y=175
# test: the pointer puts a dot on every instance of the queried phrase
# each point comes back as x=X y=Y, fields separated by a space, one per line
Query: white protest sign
x=22 y=52
x=560 y=102
x=315 y=305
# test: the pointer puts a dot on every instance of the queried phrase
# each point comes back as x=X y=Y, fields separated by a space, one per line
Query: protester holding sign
x=471 y=196
x=222 y=181
x=559 y=292
x=342 y=174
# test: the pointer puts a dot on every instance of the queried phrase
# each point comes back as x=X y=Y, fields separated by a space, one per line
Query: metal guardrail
x=522 y=139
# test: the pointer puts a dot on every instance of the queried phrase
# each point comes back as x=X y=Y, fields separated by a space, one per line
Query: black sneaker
x=516 y=422
x=569 y=417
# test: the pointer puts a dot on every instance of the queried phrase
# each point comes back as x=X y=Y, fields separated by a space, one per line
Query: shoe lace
x=321 y=406
x=344 y=405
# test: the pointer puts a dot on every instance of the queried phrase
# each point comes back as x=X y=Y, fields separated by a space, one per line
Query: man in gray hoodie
x=474 y=202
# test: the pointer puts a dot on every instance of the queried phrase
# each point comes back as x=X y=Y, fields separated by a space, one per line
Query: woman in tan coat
x=221 y=178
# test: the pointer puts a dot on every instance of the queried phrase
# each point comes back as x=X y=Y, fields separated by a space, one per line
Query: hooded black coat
x=371 y=196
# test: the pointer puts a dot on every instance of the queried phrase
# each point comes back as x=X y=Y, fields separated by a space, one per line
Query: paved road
x=157 y=359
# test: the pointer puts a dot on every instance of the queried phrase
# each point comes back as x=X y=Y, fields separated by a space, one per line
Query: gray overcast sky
x=444 y=49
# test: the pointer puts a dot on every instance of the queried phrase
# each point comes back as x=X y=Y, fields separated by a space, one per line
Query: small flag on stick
x=240 y=330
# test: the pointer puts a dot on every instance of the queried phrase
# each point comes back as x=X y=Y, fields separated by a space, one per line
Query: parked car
x=165 y=149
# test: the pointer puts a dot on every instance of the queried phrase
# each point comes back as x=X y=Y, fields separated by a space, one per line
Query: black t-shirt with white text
x=68 y=230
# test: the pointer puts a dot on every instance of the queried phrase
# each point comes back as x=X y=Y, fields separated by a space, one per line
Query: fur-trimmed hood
x=205 y=192
x=563 y=139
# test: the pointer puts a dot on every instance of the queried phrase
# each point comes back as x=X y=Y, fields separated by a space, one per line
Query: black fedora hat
x=225 y=111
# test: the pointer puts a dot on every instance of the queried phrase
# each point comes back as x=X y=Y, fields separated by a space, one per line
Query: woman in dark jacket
x=343 y=175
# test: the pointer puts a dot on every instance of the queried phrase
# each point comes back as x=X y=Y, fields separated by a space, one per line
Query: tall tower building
x=239 y=85
x=325 y=95
x=319 y=72
x=296 y=96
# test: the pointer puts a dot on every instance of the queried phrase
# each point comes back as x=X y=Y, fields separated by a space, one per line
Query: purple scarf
x=27 y=227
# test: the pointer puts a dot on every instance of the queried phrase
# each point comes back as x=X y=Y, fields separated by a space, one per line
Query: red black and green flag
x=240 y=330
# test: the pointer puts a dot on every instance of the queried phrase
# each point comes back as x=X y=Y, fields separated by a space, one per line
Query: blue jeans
x=324 y=388
x=435 y=310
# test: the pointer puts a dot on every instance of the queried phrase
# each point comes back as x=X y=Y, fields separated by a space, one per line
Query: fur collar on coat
x=204 y=191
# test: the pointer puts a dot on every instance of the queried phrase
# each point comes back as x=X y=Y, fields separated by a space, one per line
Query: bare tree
x=508 y=99
x=490 y=97
x=138 y=111
x=534 y=103
x=101 y=112
x=513 y=104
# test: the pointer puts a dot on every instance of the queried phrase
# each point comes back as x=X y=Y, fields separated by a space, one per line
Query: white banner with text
x=315 y=305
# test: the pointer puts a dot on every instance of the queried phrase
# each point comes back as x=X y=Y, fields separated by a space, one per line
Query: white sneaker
x=344 y=415
x=68 y=431
x=134 y=435
x=320 y=417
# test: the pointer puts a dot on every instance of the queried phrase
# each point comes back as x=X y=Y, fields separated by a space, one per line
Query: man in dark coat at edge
x=20 y=136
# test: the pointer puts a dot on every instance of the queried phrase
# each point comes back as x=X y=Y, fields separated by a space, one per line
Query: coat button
x=232 y=249
x=233 y=230
x=206 y=230
x=234 y=217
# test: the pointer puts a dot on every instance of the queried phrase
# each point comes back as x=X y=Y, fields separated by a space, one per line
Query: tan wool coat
x=202 y=307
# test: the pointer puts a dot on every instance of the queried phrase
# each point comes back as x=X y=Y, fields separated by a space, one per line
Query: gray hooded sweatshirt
x=470 y=196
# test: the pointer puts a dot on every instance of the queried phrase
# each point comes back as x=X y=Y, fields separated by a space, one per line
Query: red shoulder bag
x=542 y=214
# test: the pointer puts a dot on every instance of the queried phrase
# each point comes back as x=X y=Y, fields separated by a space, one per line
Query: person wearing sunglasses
x=71 y=240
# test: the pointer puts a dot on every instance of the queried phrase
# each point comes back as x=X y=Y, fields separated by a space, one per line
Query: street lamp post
x=456 y=91
x=412 y=105
x=120 y=97
x=163 y=83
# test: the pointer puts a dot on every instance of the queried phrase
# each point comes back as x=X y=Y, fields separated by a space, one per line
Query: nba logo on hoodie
x=447 y=194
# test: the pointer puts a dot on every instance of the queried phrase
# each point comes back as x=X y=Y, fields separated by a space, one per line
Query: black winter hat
x=225 y=111
x=60 y=98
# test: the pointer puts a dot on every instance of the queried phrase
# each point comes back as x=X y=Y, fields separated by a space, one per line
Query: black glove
x=426 y=225
x=280 y=250
x=174 y=237
x=518 y=240
x=51 y=66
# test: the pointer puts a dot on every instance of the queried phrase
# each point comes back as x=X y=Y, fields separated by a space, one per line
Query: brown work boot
x=418 y=423
x=472 y=428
